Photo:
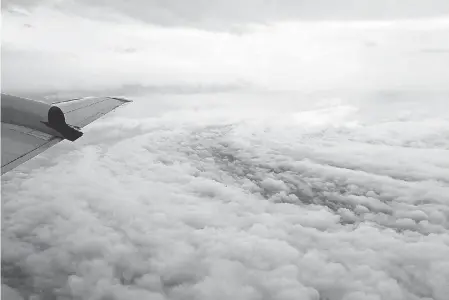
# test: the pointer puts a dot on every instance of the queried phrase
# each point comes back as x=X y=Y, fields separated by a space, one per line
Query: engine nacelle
x=37 y=115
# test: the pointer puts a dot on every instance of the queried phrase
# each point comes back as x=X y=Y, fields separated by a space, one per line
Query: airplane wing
x=83 y=111
x=30 y=127
x=20 y=144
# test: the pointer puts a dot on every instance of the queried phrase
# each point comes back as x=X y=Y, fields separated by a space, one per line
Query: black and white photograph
x=225 y=150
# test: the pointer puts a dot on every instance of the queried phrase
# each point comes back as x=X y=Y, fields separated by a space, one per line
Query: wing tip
x=121 y=99
x=125 y=100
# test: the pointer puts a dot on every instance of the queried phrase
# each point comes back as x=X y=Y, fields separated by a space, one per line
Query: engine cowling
x=37 y=115
x=56 y=120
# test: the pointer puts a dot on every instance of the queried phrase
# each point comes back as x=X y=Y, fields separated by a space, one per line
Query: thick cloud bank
x=337 y=200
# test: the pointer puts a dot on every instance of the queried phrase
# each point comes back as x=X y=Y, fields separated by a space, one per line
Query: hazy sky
x=56 y=45
x=220 y=14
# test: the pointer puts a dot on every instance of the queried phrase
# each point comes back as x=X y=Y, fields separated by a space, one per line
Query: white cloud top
x=201 y=202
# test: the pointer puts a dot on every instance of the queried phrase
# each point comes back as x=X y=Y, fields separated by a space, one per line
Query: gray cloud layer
x=50 y=49
x=223 y=13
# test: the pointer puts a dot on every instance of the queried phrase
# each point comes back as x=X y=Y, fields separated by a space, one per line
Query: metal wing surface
x=83 y=111
x=27 y=129
x=20 y=144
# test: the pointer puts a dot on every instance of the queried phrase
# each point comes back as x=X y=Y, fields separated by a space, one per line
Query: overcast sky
x=220 y=14
x=63 y=45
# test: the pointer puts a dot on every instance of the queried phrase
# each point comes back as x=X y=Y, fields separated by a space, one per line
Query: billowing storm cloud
x=299 y=160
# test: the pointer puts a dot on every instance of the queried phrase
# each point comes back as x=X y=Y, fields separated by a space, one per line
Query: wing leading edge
x=28 y=128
